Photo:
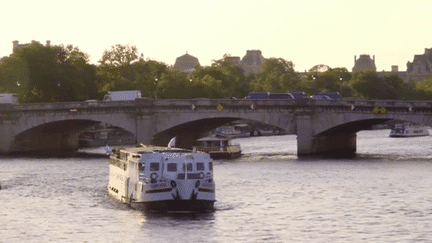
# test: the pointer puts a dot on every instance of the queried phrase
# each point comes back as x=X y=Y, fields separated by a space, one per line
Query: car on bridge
x=298 y=95
x=258 y=95
x=321 y=97
x=333 y=95
x=281 y=96
x=262 y=96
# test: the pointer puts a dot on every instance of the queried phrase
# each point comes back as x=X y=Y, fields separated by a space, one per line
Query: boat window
x=141 y=167
x=225 y=143
x=172 y=167
x=211 y=166
x=154 y=166
x=189 y=167
x=200 y=166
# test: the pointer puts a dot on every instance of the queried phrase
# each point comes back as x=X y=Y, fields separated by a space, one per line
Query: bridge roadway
x=321 y=127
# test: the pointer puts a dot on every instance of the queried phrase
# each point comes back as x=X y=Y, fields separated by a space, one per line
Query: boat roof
x=141 y=149
x=218 y=138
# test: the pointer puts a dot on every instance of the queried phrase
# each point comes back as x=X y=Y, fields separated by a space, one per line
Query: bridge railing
x=212 y=104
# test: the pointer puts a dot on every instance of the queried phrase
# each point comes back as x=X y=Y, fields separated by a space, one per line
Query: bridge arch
x=60 y=134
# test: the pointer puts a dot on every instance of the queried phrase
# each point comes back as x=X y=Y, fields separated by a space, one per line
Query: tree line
x=51 y=73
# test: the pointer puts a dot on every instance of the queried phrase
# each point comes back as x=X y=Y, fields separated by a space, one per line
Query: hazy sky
x=306 y=32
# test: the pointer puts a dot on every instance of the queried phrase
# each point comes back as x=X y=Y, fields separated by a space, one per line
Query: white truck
x=122 y=95
x=8 y=98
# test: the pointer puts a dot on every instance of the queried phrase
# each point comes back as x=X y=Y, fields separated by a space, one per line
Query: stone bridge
x=321 y=127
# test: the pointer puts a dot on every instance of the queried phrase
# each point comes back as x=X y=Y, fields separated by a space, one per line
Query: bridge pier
x=7 y=136
x=337 y=144
x=144 y=129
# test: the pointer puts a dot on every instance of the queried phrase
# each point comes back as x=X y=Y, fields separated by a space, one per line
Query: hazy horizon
x=308 y=33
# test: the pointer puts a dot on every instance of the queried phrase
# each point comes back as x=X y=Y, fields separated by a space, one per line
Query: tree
x=13 y=72
x=119 y=55
x=422 y=90
x=224 y=78
x=174 y=85
x=147 y=76
x=114 y=71
x=49 y=73
x=121 y=69
x=367 y=84
x=276 y=75
x=207 y=82
x=320 y=68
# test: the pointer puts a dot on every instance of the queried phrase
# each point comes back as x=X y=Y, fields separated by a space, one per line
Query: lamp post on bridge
x=156 y=87
x=315 y=84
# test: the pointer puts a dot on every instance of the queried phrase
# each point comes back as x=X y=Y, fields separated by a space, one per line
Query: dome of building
x=186 y=63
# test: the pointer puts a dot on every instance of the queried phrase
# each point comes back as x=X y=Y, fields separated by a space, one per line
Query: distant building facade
x=251 y=63
x=419 y=69
x=16 y=44
x=186 y=63
x=364 y=62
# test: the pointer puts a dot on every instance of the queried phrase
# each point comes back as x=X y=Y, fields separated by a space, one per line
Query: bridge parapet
x=211 y=103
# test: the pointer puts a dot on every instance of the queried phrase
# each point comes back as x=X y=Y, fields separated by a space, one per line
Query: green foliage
x=423 y=89
x=276 y=75
x=224 y=78
x=324 y=78
x=367 y=84
x=48 y=74
x=174 y=85
x=121 y=69
x=114 y=71
x=119 y=56
x=13 y=73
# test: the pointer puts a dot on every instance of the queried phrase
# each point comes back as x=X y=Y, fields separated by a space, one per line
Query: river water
x=268 y=195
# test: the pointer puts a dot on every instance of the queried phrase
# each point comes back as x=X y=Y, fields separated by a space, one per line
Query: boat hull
x=233 y=155
x=408 y=130
x=175 y=206
x=406 y=136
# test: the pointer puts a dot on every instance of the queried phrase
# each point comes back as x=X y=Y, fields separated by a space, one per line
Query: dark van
x=281 y=96
x=298 y=95
x=335 y=96
x=258 y=95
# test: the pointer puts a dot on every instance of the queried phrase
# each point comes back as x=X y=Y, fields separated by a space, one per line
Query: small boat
x=218 y=147
x=408 y=130
x=233 y=131
x=102 y=134
x=162 y=179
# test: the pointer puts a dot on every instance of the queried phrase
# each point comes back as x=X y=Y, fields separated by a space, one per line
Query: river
x=267 y=195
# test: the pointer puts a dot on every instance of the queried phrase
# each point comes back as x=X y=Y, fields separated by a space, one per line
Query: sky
x=306 y=32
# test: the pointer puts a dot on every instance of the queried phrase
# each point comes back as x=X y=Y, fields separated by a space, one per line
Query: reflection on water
x=267 y=195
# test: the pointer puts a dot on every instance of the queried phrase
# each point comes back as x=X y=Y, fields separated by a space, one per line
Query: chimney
x=394 y=68
x=48 y=43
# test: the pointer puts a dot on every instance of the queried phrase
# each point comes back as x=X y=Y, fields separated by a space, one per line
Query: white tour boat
x=162 y=179
x=408 y=130
x=218 y=147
